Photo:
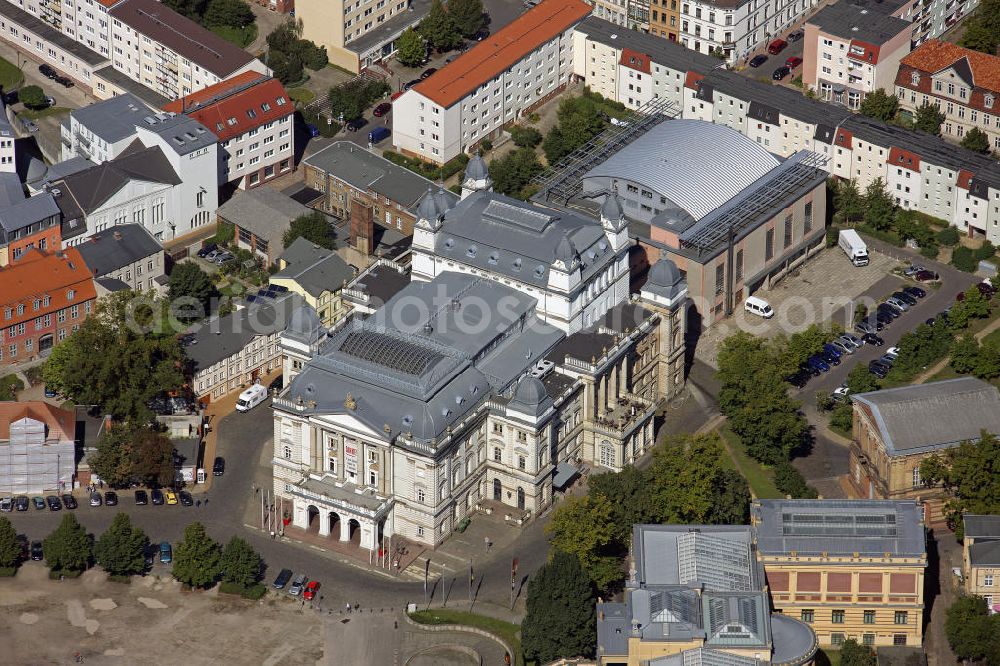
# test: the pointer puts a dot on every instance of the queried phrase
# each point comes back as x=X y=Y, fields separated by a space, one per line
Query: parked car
x=843 y=348
x=382 y=109
x=355 y=125
x=873 y=340
x=7 y=504
x=171 y=496
x=141 y=498
x=50 y=393
x=830 y=348
x=22 y=542
x=156 y=496
x=31 y=126
x=830 y=358
x=853 y=339
x=888 y=310
x=49 y=101
x=906 y=298
x=295 y=589
x=817 y=362
x=149 y=553
x=893 y=352
x=223 y=257
x=795 y=36
x=916 y=292
x=110 y=498
x=781 y=73
x=283 y=577
x=166 y=553
x=95 y=499
x=64 y=81
x=219 y=468
x=799 y=379
x=21 y=503
x=913 y=269
x=427 y=73
x=185 y=498
x=897 y=303
x=887 y=359
x=926 y=276
x=758 y=60
x=313 y=130
x=840 y=393
x=883 y=318
x=878 y=369
x=36 y=551
x=47 y=71
x=793 y=62
x=481 y=35
x=69 y=501
x=777 y=46
x=312 y=589
x=378 y=135
x=807 y=369
x=204 y=252
x=39 y=502
x=53 y=502
x=866 y=326
x=410 y=84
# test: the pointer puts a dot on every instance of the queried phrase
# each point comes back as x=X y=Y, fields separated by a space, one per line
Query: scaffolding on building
x=564 y=180
x=29 y=464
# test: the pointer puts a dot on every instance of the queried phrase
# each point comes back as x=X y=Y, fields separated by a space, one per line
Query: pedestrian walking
x=347 y=608
x=198 y=503
x=488 y=543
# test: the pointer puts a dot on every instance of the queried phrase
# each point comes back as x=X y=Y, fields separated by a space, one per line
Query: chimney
x=362 y=227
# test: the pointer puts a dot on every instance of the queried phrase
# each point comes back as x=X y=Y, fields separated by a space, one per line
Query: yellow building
x=357 y=34
x=981 y=558
x=848 y=568
x=696 y=594
x=316 y=274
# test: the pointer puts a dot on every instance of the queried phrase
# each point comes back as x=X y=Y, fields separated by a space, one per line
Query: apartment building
x=736 y=28
x=489 y=86
x=963 y=84
x=924 y=173
x=358 y=33
x=102 y=131
x=26 y=222
x=317 y=275
x=44 y=296
x=251 y=115
x=127 y=253
x=847 y=568
x=853 y=48
x=981 y=558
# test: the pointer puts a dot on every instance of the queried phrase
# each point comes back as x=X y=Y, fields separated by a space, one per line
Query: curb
x=330 y=554
x=460 y=627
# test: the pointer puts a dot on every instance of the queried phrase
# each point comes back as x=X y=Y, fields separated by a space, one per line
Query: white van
x=759 y=307
x=250 y=398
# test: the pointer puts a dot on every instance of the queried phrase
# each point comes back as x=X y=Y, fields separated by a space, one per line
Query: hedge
x=7 y=572
x=428 y=171
x=56 y=574
x=254 y=592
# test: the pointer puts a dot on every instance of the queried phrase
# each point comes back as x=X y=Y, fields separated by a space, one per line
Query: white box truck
x=854 y=247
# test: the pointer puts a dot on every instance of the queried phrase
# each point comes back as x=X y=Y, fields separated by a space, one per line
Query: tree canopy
x=411 y=48
x=111 y=361
x=187 y=280
x=525 y=136
x=970 y=475
x=314 y=227
x=288 y=53
x=69 y=547
x=848 y=200
x=880 y=105
x=234 y=13
x=973 y=633
x=880 y=207
x=439 y=28
x=928 y=118
x=196 y=557
x=512 y=172
x=240 y=563
x=10 y=549
x=853 y=653
x=982 y=29
x=133 y=453
x=32 y=97
x=351 y=99
x=121 y=549
x=977 y=140
x=468 y=16
x=560 y=620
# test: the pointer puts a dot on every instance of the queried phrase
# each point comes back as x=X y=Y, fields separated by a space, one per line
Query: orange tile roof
x=227 y=100
x=498 y=52
x=61 y=422
x=39 y=274
x=935 y=55
x=635 y=60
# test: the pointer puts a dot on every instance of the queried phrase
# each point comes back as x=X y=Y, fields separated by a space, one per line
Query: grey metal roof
x=215 y=339
x=868 y=21
x=11 y=189
x=112 y=284
x=305 y=325
x=684 y=554
x=379 y=283
x=113 y=119
x=840 y=527
x=498 y=234
x=936 y=415
x=985 y=554
x=698 y=166
x=264 y=212
x=28 y=211
x=60 y=170
x=108 y=250
x=793 y=642
x=366 y=171
x=703 y=657
x=49 y=34
x=665 y=279
x=980 y=526
x=91 y=188
x=118 y=78
x=315 y=268
x=613 y=629
x=182 y=133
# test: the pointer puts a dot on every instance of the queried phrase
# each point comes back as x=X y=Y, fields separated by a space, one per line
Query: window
x=421 y=495
x=607 y=455
x=788 y=232
x=497 y=454
x=837 y=617
x=808 y=217
x=738 y=270
x=372 y=477
x=869 y=617
x=201 y=199
x=287 y=452
x=901 y=617
x=331 y=463
x=521 y=462
x=916 y=477
x=868 y=639
x=899 y=639
x=837 y=639
x=807 y=616
x=720 y=276
x=769 y=245
x=988 y=580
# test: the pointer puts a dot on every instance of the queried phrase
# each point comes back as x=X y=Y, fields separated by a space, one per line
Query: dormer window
x=988 y=101
x=915 y=78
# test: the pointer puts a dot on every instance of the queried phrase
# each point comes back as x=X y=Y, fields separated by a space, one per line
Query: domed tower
x=477 y=177
x=530 y=397
x=666 y=293
x=300 y=341
x=613 y=221
x=430 y=216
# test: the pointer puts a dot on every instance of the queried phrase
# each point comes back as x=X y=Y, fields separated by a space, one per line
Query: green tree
x=581 y=119
x=790 y=481
x=972 y=306
x=121 y=549
x=240 y=563
x=928 y=118
x=970 y=475
x=411 y=48
x=555 y=146
x=965 y=355
x=972 y=632
x=468 y=15
x=879 y=206
x=988 y=366
x=352 y=98
x=880 y=105
x=982 y=29
x=188 y=280
x=853 y=653
x=439 y=28
x=809 y=341
x=583 y=526
x=627 y=492
x=984 y=251
x=732 y=499
x=113 y=362
x=525 y=137
x=859 y=380
x=314 y=227
x=287 y=67
x=842 y=416
x=234 y=13
x=196 y=557
x=128 y=453
x=69 y=547
x=948 y=236
x=193 y=9
x=10 y=549
x=848 y=200
x=963 y=259
x=32 y=97
x=976 y=140
x=560 y=620
x=512 y=172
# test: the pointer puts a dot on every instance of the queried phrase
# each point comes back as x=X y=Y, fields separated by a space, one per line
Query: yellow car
x=171 y=496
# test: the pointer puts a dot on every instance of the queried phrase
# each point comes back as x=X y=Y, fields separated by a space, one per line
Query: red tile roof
x=869 y=52
x=37 y=274
x=844 y=138
x=61 y=423
x=500 y=51
x=224 y=107
x=965 y=179
x=692 y=79
x=934 y=55
x=904 y=158
x=635 y=60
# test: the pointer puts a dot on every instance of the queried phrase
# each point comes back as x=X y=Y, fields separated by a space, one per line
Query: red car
x=793 y=62
x=396 y=95
x=777 y=46
x=382 y=109
x=311 y=589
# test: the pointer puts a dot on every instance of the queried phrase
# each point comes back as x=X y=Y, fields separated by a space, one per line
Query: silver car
x=843 y=348
x=298 y=584
x=899 y=304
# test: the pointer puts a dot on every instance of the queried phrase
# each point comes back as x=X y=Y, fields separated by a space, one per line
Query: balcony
x=630 y=412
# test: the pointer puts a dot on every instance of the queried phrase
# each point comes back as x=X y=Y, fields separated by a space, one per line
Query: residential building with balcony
x=102 y=131
x=252 y=116
x=981 y=558
x=963 y=84
x=493 y=84
x=44 y=297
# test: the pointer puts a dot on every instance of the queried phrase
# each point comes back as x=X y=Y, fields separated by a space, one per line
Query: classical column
x=300 y=516
x=613 y=390
x=345 y=528
x=324 y=523
x=623 y=375
x=601 y=402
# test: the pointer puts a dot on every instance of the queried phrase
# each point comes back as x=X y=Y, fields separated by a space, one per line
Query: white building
x=737 y=27
x=489 y=86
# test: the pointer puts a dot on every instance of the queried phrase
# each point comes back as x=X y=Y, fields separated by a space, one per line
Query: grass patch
x=125 y=580
x=253 y=592
x=241 y=37
x=827 y=657
x=8 y=572
x=10 y=76
x=505 y=630
x=32 y=114
x=760 y=478
x=341 y=69
x=9 y=386
x=993 y=337
x=301 y=96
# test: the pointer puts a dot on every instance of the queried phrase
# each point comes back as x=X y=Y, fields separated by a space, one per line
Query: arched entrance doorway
x=497 y=490
x=354 y=530
x=312 y=523
x=520 y=498
x=334 y=519
x=45 y=344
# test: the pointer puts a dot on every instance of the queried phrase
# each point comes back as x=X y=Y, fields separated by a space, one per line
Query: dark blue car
x=818 y=363
x=829 y=358
x=831 y=350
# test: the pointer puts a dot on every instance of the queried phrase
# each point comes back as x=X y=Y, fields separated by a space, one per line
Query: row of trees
x=970 y=476
x=973 y=632
x=349 y=100
x=927 y=118
x=288 y=54
x=444 y=28
x=214 y=13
